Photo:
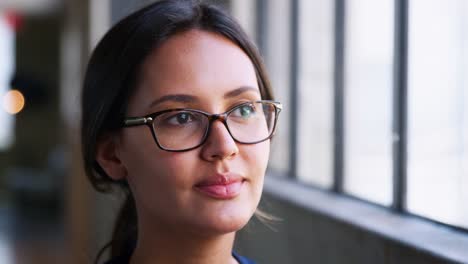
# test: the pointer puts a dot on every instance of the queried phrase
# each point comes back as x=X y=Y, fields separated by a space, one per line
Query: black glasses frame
x=148 y=120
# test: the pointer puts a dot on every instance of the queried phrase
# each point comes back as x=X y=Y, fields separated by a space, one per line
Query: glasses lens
x=178 y=130
x=252 y=122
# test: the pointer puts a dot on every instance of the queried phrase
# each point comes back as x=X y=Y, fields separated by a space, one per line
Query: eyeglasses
x=185 y=129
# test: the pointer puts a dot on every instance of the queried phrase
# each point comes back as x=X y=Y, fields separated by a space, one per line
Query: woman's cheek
x=256 y=159
x=259 y=155
x=176 y=169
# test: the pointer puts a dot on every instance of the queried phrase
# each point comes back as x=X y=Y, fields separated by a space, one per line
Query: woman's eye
x=180 y=118
x=244 y=111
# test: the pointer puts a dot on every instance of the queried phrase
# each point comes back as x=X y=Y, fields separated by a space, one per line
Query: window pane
x=315 y=120
x=368 y=100
x=277 y=49
x=438 y=110
x=7 y=65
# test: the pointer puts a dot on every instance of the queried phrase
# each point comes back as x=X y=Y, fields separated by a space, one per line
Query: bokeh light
x=13 y=102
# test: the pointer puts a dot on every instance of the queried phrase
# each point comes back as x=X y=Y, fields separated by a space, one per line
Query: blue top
x=241 y=259
x=126 y=258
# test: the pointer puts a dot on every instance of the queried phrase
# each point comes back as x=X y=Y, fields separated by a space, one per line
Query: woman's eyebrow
x=240 y=90
x=179 y=98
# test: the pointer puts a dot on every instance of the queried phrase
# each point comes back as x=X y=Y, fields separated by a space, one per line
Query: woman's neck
x=170 y=246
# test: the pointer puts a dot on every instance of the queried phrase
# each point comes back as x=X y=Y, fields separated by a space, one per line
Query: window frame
x=447 y=241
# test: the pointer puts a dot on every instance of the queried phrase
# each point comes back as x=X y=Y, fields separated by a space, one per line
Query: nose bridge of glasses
x=221 y=117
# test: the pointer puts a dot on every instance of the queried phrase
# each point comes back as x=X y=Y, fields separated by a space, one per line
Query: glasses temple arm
x=137 y=121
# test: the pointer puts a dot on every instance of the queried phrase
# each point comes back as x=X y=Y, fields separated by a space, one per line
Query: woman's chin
x=223 y=224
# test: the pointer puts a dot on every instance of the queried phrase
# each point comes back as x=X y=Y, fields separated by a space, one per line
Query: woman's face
x=215 y=188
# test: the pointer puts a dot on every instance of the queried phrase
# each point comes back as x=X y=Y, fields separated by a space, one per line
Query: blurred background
x=373 y=137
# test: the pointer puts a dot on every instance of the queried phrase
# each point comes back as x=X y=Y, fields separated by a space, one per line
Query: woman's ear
x=107 y=156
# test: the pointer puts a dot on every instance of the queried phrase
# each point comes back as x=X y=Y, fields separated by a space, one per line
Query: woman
x=177 y=111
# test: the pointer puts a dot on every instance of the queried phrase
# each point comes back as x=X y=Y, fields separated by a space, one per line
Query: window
x=315 y=90
x=277 y=58
x=438 y=110
x=368 y=100
x=402 y=64
x=7 y=61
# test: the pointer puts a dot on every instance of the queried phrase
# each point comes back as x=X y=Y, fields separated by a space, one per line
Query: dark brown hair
x=112 y=76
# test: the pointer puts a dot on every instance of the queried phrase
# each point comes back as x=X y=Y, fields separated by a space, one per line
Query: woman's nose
x=219 y=145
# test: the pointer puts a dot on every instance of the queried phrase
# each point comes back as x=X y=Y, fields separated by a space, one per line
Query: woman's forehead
x=199 y=63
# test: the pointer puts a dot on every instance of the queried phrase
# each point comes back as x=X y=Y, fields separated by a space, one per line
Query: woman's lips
x=221 y=187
